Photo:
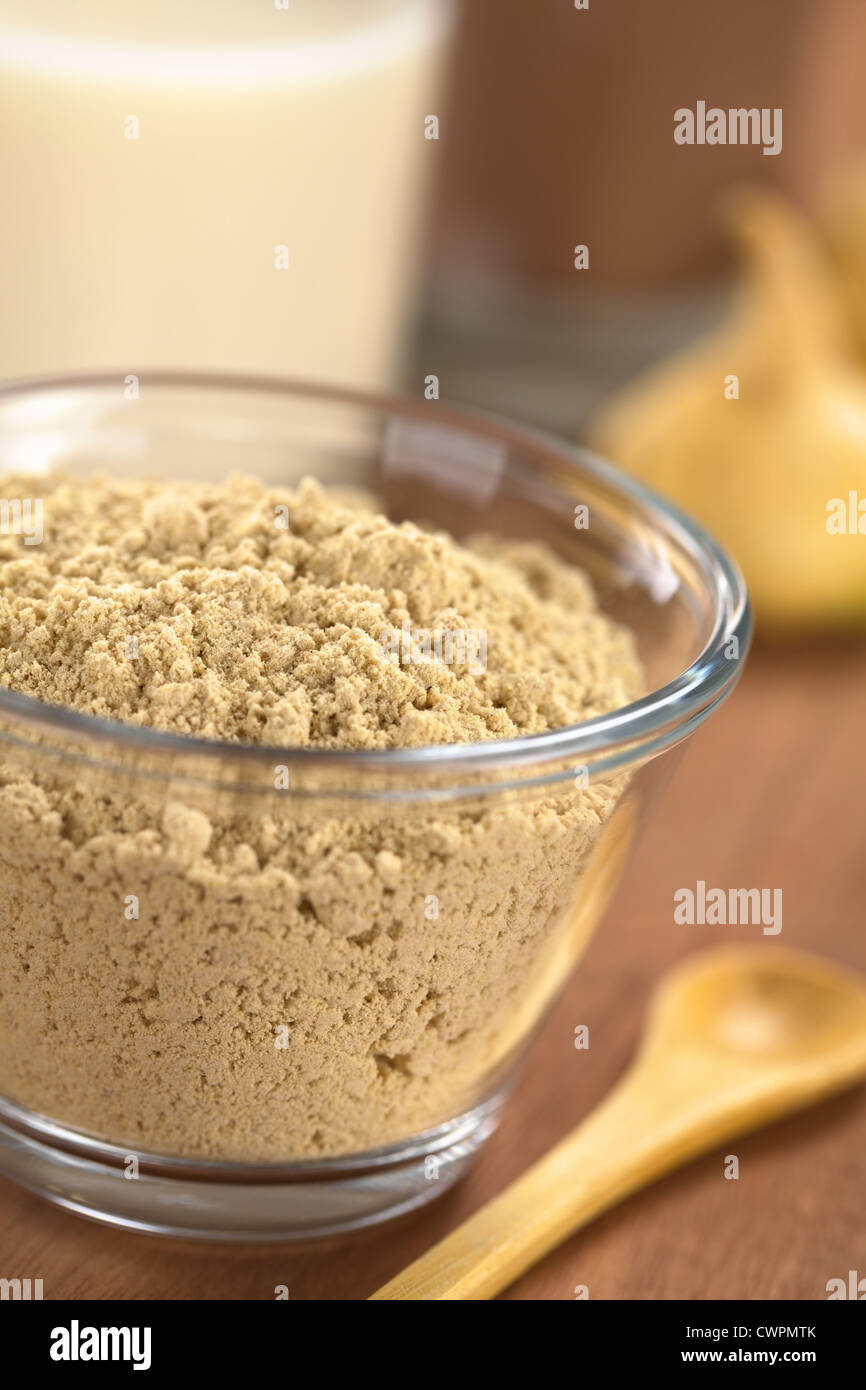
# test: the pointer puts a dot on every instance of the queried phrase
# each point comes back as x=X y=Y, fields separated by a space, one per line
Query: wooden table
x=770 y=794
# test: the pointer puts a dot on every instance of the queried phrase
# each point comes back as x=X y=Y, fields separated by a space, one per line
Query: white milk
x=156 y=158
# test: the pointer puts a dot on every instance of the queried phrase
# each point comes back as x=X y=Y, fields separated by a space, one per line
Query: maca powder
x=275 y=978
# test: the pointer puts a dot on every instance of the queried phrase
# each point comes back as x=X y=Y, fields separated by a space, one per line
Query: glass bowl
x=202 y=1043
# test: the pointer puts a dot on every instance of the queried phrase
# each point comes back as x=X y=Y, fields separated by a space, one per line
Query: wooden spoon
x=735 y=1038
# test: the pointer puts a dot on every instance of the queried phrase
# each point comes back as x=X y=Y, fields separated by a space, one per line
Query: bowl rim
x=645 y=727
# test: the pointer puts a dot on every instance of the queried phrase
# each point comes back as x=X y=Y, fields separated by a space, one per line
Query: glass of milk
x=224 y=183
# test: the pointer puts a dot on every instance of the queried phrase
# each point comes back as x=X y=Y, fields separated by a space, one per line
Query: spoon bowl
x=762 y=1004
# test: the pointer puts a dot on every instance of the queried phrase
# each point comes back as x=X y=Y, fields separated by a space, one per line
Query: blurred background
x=696 y=312
x=490 y=194
x=560 y=131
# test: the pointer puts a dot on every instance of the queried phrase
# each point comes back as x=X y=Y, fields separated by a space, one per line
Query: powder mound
x=195 y=608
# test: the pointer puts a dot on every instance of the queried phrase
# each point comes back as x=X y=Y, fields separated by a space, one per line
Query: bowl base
x=238 y=1202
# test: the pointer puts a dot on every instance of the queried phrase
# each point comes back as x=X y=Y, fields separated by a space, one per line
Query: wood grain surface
x=771 y=793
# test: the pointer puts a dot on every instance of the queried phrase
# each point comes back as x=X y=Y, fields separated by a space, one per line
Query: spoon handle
x=606 y=1157
x=644 y=1128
